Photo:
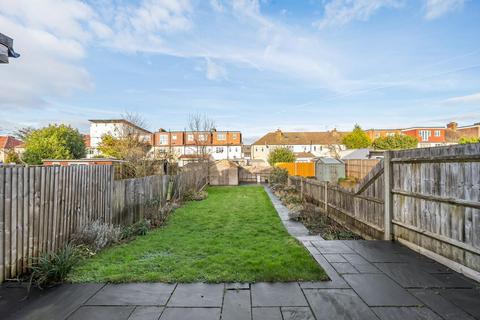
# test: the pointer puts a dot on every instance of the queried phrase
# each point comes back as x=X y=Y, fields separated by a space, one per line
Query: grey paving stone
x=332 y=246
x=433 y=300
x=344 y=267
x=404 y=313
x=379 y=290
x=102 y=313
x=466 y=299
x=409 y=276
x=133 y=294
x=366 y=268
x=338 y=304
x=59 y=302
x=237 y=286
x=146 y=313
x=362 y=265
x=377 y=251
x=236 y=305
x=297 y=313
x=197 y=295
x=191 y=314
x=333 y=257
x=455 y=280
x=277 y=295
x=337 y=284
x=266 y=314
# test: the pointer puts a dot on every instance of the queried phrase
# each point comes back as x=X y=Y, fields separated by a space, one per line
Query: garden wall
x=41 y=207
x=428 y=199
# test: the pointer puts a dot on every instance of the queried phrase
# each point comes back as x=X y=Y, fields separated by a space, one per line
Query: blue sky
x=253 y=66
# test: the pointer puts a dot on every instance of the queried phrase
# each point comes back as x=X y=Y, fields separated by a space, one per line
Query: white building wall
x=261 y=152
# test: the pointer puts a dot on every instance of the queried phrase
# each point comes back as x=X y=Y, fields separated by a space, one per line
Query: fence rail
x=427 y=199
x=41 y=207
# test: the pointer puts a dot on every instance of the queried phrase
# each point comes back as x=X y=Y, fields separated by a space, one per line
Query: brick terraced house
x=218 y=145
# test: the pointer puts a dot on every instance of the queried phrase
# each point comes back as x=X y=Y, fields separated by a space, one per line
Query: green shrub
x=278 y=176
x=466 y=140
x=356 y=139
x=139 y=228
x=53 y=268
x=195 y=195
x=281 y=154
x=395 y=142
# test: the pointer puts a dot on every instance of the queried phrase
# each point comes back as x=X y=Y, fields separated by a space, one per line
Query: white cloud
x=468 y=99
x=437 y=8
x=51 y=36
x=216 y=5
x=341 y=12
x=214 y=71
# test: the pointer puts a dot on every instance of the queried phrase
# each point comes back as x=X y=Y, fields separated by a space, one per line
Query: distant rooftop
x=119 y=121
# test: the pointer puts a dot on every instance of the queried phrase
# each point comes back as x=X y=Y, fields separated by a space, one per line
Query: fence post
x=326 y=196
x=301 y=188
x=388 y=175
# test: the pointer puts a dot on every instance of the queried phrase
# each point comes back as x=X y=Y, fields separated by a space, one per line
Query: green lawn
x=234 y=235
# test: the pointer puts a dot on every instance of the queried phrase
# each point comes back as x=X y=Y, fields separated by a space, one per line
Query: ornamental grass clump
x=139 y=228
x=53 y=267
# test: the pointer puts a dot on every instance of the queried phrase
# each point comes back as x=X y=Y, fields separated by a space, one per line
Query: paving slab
x=334 y=257
x=455 y=280
x=59 y=302
x=409 y=276
x=338 y=304
x=432 y=299
x=344 y=267
x=146 y=294
x=362 y=265
x=366 y=268
x=337 y=284
x=197 y=295
x=270 y=313
x=236 y=305
x=286 y=294
x=405 y=313
x=332 y=246
x=237 y=286
x=379 y=290
x=377 y=251
x=191 y=314
x=466 y=299
x=102 y=313
x=297 y=313
x=146 y=313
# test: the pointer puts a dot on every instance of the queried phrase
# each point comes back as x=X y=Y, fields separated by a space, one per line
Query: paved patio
x=369 y=280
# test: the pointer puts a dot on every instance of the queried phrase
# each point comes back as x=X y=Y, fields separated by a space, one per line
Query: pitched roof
x=9 y=142
x=301 y=138
x=304 y=155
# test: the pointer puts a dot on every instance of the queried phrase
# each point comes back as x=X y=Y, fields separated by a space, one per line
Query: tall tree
x=201 y=127
x=53 y=142
x=281 y=154
x=357 y=139
x=395 y=142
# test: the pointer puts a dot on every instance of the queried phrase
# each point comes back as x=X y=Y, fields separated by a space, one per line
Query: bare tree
x=201 y=128
x=23 y=133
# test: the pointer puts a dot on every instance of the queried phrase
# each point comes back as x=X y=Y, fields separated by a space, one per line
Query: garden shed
x=224 y=173
x=329 y=169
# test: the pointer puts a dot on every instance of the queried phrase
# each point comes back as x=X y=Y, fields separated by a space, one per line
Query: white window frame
x=190 y=137
x=163 y=139
x=437 y=133
x=219 y=150
x=221 y=136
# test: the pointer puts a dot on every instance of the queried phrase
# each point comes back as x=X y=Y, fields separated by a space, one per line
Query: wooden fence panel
x=41 y=207
x=301 y=169
x=359 y=169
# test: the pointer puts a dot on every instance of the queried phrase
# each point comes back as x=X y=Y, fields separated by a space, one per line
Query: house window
x=221 y=136
x=390 y=134
x=174 y=137
x=377 y=135
x=219 y=150
x=437 y=133
x=314 y=148
x=202 y=137
x=425 y=134
x=234 y=135
x=164 y=139
x=190 y=137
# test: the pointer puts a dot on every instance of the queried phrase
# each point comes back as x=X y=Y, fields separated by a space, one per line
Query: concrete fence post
x=388 y=176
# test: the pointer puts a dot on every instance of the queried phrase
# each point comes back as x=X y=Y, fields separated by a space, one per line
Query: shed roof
x=329 y=161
